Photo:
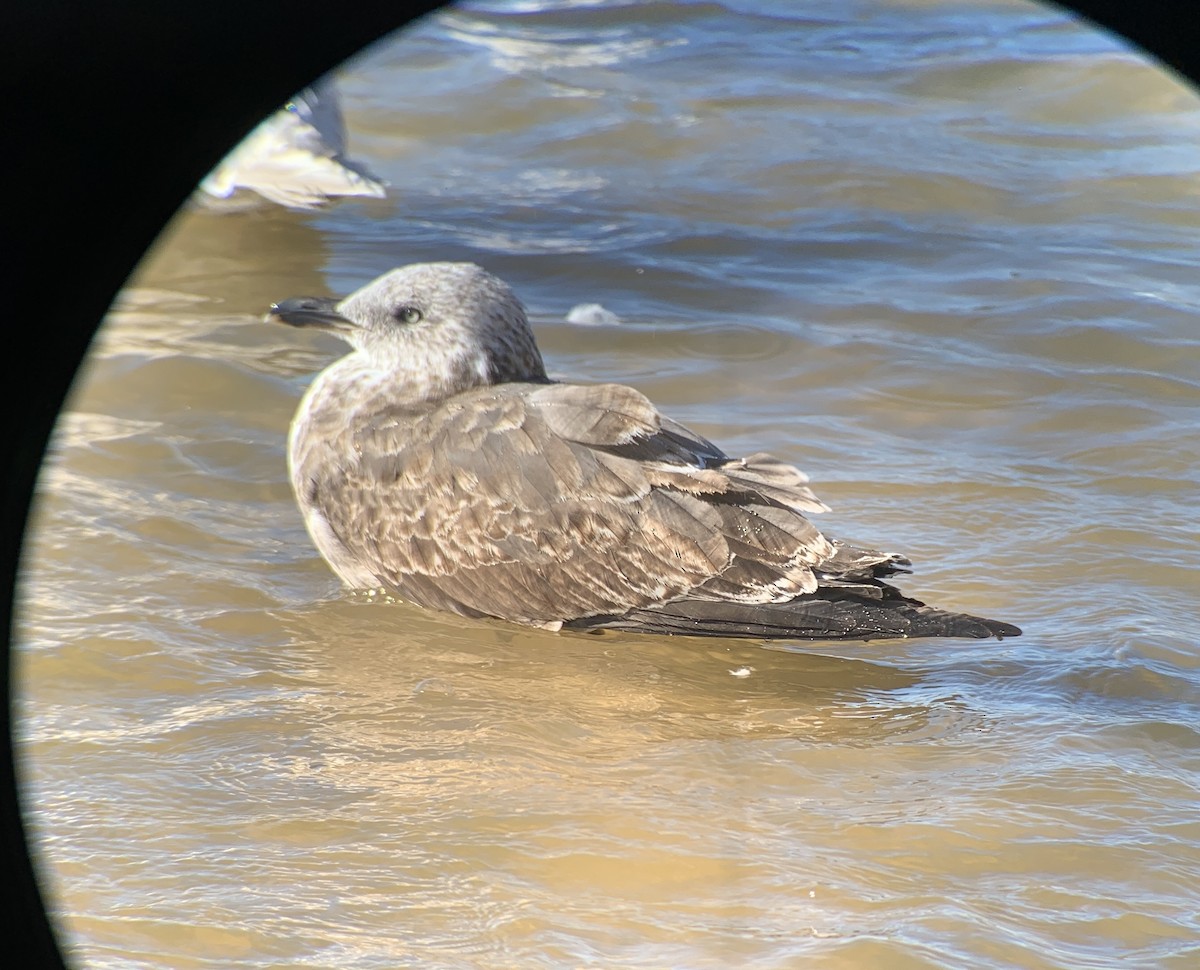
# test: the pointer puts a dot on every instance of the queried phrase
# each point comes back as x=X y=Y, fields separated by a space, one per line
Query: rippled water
x=941 y=255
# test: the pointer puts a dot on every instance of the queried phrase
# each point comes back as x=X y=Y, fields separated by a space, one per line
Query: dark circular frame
x=114 y=113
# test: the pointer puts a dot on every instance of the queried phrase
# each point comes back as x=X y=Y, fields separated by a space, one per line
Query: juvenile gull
x=438 y=461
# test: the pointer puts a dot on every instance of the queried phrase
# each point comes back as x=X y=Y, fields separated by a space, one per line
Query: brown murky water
x=940 y=255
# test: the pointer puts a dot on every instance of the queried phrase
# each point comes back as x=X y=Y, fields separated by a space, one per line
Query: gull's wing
x=545 y=503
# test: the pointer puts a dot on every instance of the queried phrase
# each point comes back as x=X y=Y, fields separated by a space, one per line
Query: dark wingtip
x=927 y=621
x=836 y=615
x=1001 y=630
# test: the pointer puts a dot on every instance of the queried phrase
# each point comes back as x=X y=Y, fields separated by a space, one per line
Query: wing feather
x=551 y=502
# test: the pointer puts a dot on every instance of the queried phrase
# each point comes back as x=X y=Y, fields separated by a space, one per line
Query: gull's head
x=440 y=328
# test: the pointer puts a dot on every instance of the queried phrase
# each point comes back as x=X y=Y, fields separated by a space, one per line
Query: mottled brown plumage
x=438 y=461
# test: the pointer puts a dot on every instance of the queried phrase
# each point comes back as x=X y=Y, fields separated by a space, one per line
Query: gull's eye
x=407 y=314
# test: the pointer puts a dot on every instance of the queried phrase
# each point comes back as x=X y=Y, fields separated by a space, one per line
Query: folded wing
x=549 y=503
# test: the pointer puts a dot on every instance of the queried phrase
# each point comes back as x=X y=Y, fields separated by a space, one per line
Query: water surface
x=940 y=255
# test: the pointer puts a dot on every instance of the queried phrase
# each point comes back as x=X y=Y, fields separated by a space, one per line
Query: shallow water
x=941 y=255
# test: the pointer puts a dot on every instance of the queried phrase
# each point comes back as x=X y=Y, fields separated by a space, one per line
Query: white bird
x=295 y=158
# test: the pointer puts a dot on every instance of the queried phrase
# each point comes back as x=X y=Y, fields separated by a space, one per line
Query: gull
x=296 y=158
x=438 y=462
